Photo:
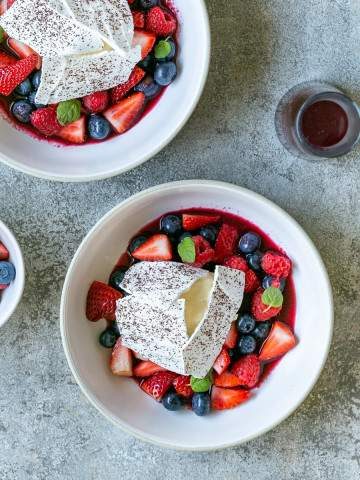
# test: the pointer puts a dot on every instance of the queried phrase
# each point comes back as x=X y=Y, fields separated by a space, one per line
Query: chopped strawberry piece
x=276 y=264
x=138 y=18
x=222 y=362
x=193 y=222
x=161 y=22
x=12 y=75
x=45 y=120
x=146 y=369
x=232 y=337
x=156 y=248
x=6 y=60
x=74 y=132
x=146 y=40
x=226 y=241
x=259 y=310
x=121 y=360
x=236 y=262
x=280 y=340
x=119 y=92
x=248 y=370
x=182 y=386
x=252 y=282
x=225 y=398
x=23 y=51
x=227 y=380
x=157 y=385
x=96 y=102
x=101 y=302
x=3 y=286
x=204 y=253
x=124 y=114
x=4 y=252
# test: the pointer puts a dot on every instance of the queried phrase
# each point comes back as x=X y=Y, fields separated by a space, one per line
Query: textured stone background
x=260 y=49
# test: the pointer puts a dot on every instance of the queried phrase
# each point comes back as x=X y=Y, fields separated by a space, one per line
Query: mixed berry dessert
x=76 y=72
x=200 y=308
x=7 y=269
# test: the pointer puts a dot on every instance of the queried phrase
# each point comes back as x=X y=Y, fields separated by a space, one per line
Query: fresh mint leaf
x=68 y=111
x=186 y=250
x=200 y=385
x=272 y=297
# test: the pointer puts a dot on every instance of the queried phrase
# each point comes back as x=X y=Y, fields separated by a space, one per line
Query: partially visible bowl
x=119 y=399
x=124 y=152
x=10 y=297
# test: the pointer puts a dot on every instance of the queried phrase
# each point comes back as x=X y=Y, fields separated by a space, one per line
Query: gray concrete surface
x=260 y=49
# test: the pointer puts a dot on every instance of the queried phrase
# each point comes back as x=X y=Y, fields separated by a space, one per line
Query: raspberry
x=236 y=262
x=161 y=22
x=226 y=241
x=96 y=102
x=259 y=310
x=45 y=120
x=138 y=18
x=203 y=252
x=252 y=282
x=276 y=264
x=248 y=370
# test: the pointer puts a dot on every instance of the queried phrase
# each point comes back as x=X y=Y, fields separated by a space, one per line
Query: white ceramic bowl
x=120 y=399
x=10 y=297
x=149 y=136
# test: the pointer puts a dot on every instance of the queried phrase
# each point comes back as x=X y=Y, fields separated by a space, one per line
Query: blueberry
x=171 y=225
x=165 y=73
x=117 y=277
x=146 y=4
x=269 y=281
x=172 y=401
x=209 y=233
x=108 y=338
x=261 y=330
x=35 y=80
x=201 y=404
x=165 y=50
x=148 y=64
x=254 y=260
x=149 y=88
x=99 y=128
x=245 y=323
x=246 y=345
x=21 y=109
x=31 y=98
x=136 y=242
x=7 y=273
x=249 y=242
x=24 y=88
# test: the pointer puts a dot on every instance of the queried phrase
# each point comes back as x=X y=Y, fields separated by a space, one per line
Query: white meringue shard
x=178 y=316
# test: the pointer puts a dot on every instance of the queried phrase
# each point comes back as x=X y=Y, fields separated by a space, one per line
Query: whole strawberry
x=259 y=310
x=161 y=22
x=45 y=120
x=96 y=102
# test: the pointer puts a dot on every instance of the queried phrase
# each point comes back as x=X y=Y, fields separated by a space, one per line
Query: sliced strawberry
x=124 y=114
x=182 y=386
x=12 y=75
x=96 y=102
x=248 y=370
x=119 y=92
x=157 y=385
x=6 y=60
x=121 y=360
x=23 y=51
x=252 y=282
x=236 y=262
x=146 y=369
x=4 y=252
x=146 y=40
x=225 y=398
x=138 y=18
x=226 y=241
x=222 y=362
x=3 y=286
x=45 y=120
x=232 y=337
x=161 y=22
x=204 y=253
x=280 y=340
x=156 y=248
x=193 y=222
x=261 y=311
x=101 y=302
x=227 y=380
x=74 y=132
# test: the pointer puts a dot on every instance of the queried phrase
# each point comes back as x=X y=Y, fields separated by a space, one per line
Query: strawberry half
x=232 y=337
x=101 y=302
x=4 y=252
x=119 y=92
x=193 y=222
x=222 y=362
x=280 y=340
x=146 y=40
x=124 y=114
x=12 y=75
x=259 y=310
x=6 y=60
x=248 y=370
x=74 y=132
x=146 y=369
x=23 y=51
x=157 y=385
x=156 y=248
x=226 y=241
x=121 y=360
x=204 y=253
x=161 y=22
x=45 y=120
x=226 y=398
x=182 y=386
x=227 y=380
